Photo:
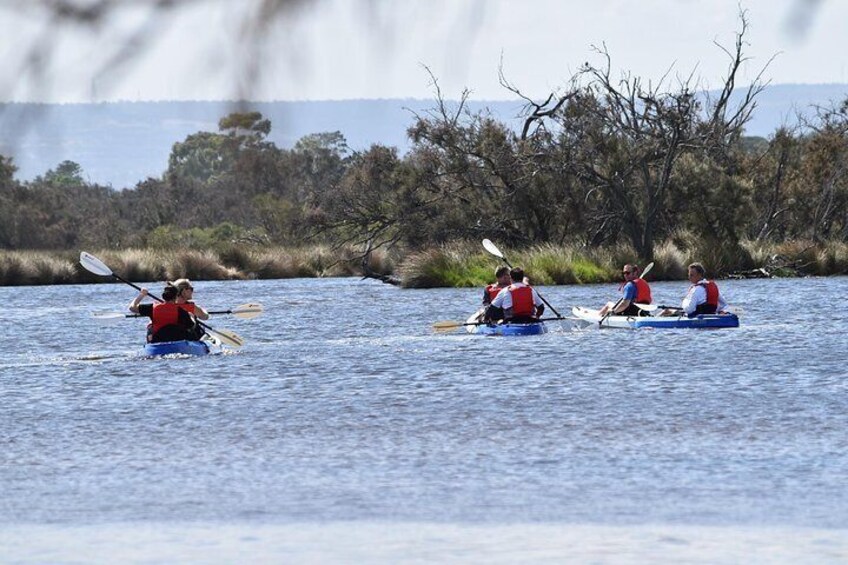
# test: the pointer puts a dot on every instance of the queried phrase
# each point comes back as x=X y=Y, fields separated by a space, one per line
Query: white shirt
x=504 y=298
x=698 y=295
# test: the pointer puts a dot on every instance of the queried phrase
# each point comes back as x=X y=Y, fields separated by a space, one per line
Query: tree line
x=607 y=161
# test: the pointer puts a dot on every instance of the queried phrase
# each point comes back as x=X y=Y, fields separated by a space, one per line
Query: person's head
x=630 y=271
x=516 y=274
x=502 y=275
x=696 y=272
x=184 y=288
x=169 y=293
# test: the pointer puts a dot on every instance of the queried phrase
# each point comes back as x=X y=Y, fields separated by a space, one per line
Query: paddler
x=520 y=302
x=703 y=296
x=169 y=321
x=634 y=290
x=502 y=281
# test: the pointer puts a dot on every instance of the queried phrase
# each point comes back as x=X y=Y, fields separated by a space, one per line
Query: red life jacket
x=187 y=306
x=522 y=301
x=164 y=314
x=493 y=290
x=711 y=304
x=643 y=292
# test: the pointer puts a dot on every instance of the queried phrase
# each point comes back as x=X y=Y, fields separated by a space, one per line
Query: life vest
x=643 y=292
x=165 y=314
x=522 y=301
x=187 y=306
x=492 y=290
x=711 y=304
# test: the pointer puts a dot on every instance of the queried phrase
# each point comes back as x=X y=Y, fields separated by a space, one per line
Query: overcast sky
x=344 y=49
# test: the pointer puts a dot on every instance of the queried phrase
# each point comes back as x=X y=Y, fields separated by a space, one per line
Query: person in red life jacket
x=520 y=303
x=169 y=321
x=703 y=296
x=634 y=291
x=185 y=295
x=502 y=280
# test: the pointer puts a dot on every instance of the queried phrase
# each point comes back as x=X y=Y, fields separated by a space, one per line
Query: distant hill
x=122 y=143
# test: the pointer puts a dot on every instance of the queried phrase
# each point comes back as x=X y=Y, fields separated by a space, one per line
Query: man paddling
x=520 y=302
x=703 y=296
x=633 y=291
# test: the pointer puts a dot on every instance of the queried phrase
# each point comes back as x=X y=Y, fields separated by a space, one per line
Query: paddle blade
x=647 y=269
x=109 y=315
x=492 y=248
x=446 y=326
x=227 y=337
x=247 y=311
x=94 y=265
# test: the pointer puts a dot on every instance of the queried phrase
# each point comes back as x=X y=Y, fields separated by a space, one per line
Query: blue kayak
x=177 y=348
x=536 y=328
x=703 y=321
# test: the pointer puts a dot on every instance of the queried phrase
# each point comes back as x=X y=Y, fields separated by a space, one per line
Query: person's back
x=521 y=304
x=168 y=320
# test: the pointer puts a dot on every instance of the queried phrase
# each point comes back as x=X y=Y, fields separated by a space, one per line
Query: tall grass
x=18 y=268
x=455 y=265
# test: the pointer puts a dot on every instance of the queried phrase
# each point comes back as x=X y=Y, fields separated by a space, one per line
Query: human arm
x=200 y=313
x=722 y=304
x=538 y=303
x=628 y=295
x=133 y=306
x=696 y=295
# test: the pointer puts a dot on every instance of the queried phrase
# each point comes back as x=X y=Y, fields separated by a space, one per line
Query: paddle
x=648 y=268
x=493 y=249
x=245 y=312
x=94 y=265
x=736 y=310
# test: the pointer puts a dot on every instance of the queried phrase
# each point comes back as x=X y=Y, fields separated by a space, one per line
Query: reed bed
x=454 y=265
x=21 y=268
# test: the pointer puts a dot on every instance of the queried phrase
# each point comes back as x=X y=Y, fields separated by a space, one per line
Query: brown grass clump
x=199 y=265
x=19 y=268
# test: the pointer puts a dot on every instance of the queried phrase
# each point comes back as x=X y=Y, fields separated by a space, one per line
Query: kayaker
x=185 y=294
x=519 y=301
x=169 y=322
x=634 y=290
x=703 y=296
x=502 y=281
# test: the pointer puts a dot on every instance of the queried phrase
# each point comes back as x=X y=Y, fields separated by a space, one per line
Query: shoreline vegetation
x=609 y=170
x=463 y=264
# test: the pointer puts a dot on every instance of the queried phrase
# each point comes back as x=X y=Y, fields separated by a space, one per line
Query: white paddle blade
x=492 y=248
x=647 y=269
x=109 y=315
x=647 y=307
x=227 y=337
x=446 y=326
x=94 y=265
x=247 y=311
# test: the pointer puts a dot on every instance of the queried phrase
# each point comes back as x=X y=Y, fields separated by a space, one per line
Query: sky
x=350 y=49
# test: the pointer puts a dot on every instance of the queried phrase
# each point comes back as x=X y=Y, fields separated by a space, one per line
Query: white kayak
x=702 y=321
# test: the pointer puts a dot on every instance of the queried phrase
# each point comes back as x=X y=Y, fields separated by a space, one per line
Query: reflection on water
x=345 y=408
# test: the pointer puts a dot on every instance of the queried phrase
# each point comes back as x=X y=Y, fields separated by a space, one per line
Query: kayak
x=536 y=328
x=702 y=321
x=176 y=348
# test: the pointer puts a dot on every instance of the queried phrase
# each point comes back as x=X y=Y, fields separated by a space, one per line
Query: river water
x=347 y=431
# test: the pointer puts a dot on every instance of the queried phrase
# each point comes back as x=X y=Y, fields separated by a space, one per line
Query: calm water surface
x=344 y=408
